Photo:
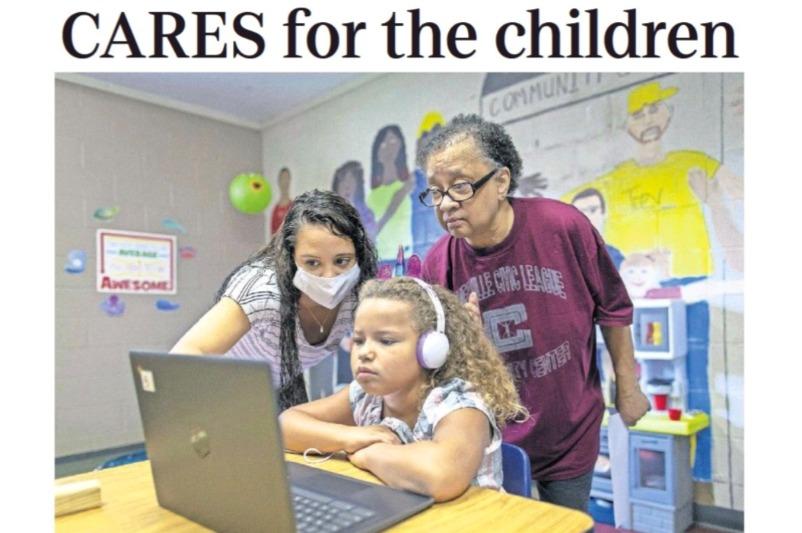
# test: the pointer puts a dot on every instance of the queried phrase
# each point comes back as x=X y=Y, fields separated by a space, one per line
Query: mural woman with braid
x=292 y=302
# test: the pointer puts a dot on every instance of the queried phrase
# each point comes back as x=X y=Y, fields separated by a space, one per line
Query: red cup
x=660 y=401
x=674 y=413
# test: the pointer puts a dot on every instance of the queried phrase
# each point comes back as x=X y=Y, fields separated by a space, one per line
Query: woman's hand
x=360 y=437
x=472 y=306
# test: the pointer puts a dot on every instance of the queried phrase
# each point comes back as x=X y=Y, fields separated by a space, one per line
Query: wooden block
x=77 y=496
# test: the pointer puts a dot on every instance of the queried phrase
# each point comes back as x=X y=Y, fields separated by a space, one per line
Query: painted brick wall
x=153 y=163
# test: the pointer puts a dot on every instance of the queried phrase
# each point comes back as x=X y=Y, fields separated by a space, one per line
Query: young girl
x=448 y=418
x=292 y=303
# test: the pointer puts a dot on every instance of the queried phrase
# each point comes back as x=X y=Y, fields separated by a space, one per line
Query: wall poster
x=137 y=263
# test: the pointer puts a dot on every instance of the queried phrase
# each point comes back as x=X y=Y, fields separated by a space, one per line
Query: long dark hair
x=376 y=167
x=324 y=208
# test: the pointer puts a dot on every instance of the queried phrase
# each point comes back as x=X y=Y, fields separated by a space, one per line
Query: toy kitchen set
x=643 y=475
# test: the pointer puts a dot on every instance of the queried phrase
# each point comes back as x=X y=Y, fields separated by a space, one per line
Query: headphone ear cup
x=432 y=350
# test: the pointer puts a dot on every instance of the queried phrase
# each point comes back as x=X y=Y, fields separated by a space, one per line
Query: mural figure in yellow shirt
x=656 y=199
x=655 y=215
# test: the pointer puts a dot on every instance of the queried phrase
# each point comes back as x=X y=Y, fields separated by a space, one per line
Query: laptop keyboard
x=316 y=513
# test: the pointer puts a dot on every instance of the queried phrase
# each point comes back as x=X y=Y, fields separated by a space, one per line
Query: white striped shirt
x=255 y=289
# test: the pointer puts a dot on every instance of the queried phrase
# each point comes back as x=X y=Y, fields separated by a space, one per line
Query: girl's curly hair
x=472 y=357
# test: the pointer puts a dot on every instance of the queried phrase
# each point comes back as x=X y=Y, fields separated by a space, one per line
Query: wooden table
x=129 y=504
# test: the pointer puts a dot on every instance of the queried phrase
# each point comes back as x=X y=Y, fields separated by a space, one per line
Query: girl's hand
x=360 y=437
x=361 y=458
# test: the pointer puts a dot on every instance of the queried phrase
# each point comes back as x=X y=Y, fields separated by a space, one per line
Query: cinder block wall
x=152 y=163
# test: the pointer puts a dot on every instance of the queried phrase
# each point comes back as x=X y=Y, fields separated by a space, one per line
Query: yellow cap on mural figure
x=430 y=120
x=646 y=94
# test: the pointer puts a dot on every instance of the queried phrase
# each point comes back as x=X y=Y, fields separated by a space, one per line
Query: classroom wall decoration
x=167 y=305
x=171 y=224
x=349 y=182
x=392 y=212
x=643 y=156
x=132 y=262
x=187 y=252
x=76 y=262
x=249 y=193
x=284 y=200
x=390 y=188
x=105 y=213
x=425 y=227
x=113 y=306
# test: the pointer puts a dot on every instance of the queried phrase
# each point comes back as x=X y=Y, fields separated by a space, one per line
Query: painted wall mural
x=643 y=156
x=284 y=200
x=425 y=227
x=394 y=218
x=390 y=186
x=349 y=182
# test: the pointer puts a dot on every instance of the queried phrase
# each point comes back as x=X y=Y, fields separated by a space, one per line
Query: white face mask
x=328 y=292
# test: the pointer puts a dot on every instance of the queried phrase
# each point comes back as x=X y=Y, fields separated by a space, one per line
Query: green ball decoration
x=249 y=193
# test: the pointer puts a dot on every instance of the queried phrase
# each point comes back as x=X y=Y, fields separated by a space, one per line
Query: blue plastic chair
x=517 y=470
x=133 y=457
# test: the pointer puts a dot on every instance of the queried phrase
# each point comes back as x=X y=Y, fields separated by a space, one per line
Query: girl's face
x=322 y=253
x=383 y=356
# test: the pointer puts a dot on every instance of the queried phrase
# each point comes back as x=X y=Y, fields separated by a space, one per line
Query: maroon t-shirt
x=541 y=291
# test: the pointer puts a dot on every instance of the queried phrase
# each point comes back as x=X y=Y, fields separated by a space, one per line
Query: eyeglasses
x=459 y=192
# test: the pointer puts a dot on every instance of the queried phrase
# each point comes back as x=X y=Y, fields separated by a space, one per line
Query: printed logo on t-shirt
x=507 y=279
x=500 y=325
x=542 y=365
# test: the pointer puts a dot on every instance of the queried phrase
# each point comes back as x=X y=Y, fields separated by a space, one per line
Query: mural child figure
x=389 y=196
x=591 y=202
x=422 y=414
x=349 y=182
x=646 y=276
x=284 y=200
x=292 y=302
x=540 y=276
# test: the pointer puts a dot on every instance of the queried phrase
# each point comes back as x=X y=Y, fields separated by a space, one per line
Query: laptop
x=216 y=454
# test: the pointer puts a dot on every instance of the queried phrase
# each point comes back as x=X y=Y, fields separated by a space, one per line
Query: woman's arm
x=216 y=331
x=443 y=467
x=328 y=425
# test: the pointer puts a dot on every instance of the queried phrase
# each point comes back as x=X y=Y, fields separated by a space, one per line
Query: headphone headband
x=436 y=303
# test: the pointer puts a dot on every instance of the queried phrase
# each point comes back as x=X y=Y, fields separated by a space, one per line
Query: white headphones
x=433 y=346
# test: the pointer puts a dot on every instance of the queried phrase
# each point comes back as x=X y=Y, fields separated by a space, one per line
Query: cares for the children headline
x=573 y=33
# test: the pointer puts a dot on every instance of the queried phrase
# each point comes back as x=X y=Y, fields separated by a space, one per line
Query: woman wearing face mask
x=293 y=301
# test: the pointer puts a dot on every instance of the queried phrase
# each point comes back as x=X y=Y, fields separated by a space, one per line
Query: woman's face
x=322 y=253
x=389 y=148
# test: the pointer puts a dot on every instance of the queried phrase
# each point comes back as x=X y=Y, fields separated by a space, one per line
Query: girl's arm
x=328 y=425
x=443 y=467
x=216 y=331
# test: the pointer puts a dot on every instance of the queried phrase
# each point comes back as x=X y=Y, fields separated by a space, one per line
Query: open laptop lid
x=213 y=440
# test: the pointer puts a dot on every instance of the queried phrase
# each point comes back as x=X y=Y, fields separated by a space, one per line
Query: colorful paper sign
x=138 y=263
